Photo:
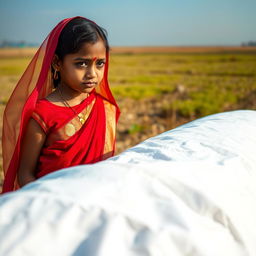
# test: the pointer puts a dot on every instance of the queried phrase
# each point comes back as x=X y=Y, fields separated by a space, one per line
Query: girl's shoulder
x=47 y=114
x=48 y=110
x=47 y=104
x=51 y=100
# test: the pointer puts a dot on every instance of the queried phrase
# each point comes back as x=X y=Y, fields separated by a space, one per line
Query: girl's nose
x=91 y=72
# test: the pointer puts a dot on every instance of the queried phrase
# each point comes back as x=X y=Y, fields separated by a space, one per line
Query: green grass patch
x=135 y=128
x=140 y=91
x=202 y=103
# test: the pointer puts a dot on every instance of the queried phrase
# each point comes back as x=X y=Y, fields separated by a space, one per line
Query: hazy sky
x=136 y=22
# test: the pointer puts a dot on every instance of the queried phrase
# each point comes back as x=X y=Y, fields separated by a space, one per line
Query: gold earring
x=55 y=75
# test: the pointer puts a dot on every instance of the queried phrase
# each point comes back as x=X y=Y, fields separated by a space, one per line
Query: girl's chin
x=88 y=90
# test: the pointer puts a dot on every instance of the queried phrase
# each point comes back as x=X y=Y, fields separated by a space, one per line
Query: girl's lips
x=90 y=84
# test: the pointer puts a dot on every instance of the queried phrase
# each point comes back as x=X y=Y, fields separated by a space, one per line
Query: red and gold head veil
x=35 y=83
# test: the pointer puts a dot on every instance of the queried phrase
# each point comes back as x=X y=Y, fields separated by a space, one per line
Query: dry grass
x=182 y=49
x=17 y=52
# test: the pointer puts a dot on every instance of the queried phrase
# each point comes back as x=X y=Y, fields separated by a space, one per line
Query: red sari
x=92 y=142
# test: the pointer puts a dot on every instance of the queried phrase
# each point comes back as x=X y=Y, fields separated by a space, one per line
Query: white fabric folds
x=188 y=191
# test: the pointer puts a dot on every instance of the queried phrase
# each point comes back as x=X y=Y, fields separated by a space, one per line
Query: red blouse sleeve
x=40 y=121
x=40 y=115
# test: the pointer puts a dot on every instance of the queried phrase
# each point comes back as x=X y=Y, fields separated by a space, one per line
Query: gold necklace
x=81 y=117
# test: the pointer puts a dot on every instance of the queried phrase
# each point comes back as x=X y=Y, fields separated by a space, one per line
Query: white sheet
x=189 y=191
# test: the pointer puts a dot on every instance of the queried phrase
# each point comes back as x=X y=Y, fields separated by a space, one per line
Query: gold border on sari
x=38 y=118
x=110 y=111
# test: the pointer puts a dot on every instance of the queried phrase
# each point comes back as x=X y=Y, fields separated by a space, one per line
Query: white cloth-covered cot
x=188 y=191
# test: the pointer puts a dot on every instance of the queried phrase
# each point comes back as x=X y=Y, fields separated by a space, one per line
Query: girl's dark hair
x=77 y=32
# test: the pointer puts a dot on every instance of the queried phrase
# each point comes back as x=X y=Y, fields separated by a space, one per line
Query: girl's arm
x=31 y=147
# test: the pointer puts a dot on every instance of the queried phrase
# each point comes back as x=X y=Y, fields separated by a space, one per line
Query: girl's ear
x=56 y=62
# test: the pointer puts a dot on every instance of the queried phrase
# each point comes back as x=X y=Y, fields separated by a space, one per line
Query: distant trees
x=250 y=43
x=16 y=44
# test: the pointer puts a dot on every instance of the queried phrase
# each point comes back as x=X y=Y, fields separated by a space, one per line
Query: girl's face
x=84 y=70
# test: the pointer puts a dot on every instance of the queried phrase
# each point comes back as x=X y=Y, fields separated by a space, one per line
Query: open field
x=159 y=88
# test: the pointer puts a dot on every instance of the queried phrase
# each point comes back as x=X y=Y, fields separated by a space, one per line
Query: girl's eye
x=81 y=64
x=100 y=63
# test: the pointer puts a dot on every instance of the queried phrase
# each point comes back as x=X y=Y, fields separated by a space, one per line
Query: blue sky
x=136 y=22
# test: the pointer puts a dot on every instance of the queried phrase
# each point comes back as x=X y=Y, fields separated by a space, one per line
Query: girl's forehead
x=92 y=50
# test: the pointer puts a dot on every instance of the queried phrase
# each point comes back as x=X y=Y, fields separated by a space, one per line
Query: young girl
x=61 y=112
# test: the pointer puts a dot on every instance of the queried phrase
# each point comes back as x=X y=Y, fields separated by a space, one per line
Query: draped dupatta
x=35 y=83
